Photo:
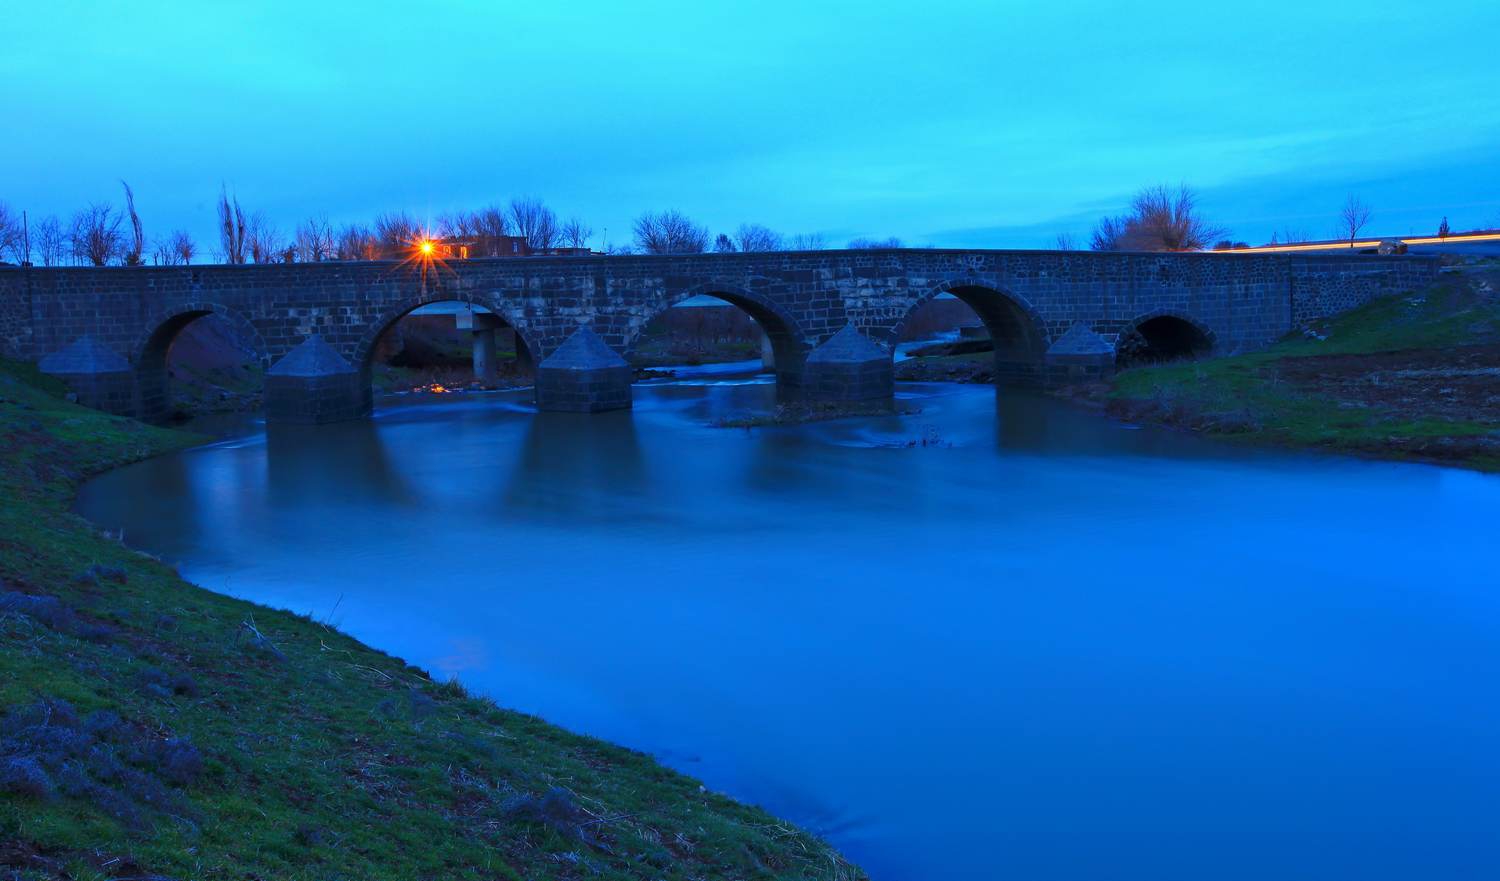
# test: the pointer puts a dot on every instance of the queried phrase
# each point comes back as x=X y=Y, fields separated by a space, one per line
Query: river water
x=999 y=638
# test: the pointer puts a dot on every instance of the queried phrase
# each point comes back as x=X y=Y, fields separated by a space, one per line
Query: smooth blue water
x=1042 y=646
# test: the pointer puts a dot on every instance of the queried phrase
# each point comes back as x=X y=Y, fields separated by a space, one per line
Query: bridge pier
x=313 y=385
x=97 y=376
x=849 y=366
x=1079 y=356
x=584 y=375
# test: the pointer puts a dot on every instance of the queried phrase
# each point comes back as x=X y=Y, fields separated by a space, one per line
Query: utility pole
x=25 y=240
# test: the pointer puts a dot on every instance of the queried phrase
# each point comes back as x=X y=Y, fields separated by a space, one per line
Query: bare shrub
x=1160 y=219
x=314 y=240
x=868 y=244
x=95 y=234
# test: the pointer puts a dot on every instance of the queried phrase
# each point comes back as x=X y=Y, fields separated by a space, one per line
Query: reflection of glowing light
x=435 y=388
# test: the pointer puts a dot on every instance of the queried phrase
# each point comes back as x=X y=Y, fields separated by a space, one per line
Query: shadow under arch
x=151 y=352
x=364 y=351
x=1162 y=335
x=1018 y=332
x=789 y=345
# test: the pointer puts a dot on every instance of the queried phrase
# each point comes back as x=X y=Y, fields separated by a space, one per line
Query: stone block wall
x=1027 y=299
x=15 y=315
x=1324 y=285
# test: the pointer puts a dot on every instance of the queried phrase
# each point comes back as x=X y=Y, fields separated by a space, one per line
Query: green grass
x=322 y=758
x=1248 y=397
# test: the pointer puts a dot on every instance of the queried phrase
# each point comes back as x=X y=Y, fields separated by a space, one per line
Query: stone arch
x=1015 y=326
x=1163 y=335
x=789 y=344
x=364 y=350
x=150 y=352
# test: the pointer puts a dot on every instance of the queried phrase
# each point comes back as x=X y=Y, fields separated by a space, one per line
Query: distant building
x=478 y=246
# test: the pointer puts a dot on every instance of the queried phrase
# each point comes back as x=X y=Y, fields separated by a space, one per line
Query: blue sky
x=945 y=123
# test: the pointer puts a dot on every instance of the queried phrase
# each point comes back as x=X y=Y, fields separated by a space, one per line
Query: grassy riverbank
x=155 y=729
x=1413 y=377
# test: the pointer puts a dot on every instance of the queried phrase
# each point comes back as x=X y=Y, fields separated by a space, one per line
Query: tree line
x=105 y=235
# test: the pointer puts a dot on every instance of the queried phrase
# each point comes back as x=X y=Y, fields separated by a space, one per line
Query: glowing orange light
x=426 y=247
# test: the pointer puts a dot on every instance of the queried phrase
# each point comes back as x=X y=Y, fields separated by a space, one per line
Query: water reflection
x=575 y=465
x=1041 y=646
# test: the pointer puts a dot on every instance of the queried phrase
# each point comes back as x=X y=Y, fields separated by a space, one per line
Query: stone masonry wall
x=15 y=316
x=800 y=298
x=1324 y=285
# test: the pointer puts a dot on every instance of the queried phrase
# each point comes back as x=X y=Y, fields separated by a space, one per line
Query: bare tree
x=95 y=234
x=1066 y=242
x=457 y=225
x=232 y=227
x=669 y=232
x=1108 y=234
x=12 y=236
x=356 y=242
x=1290 y=236
x=1353 y=217
x=492 y=222
x=51 y=241
x=137 y=244
x=264 y=240
x=576 y=233
x=183 y=247
x=1160 y=219
x=1444 y=230
x=314 y=240
x=396 y=231
x=866 y=244
x=724 y=244
x=534 y=222
x=755 y=237
x=807 y=241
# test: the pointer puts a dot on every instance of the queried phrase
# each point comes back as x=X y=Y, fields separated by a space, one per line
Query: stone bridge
x=831 y=317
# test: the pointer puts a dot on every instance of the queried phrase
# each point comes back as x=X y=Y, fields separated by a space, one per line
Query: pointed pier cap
x=1080 y=340
x=313 y=357
x=848 y=346
x=85 y=355
x=584 y=350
